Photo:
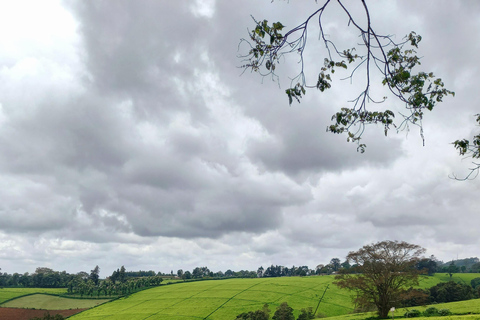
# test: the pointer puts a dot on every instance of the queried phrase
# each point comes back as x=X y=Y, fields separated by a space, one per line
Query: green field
x=218 y=300
x=457 y=277
x=49 y=302
x=11 y=293
x=224 y=299
x=461 y=309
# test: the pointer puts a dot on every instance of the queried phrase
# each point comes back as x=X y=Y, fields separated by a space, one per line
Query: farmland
x=227 y=298
x=11 y=293
x=224 y=299
x=50 y=302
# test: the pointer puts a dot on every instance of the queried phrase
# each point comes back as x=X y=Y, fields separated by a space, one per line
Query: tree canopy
x=396 y=62
x=383 y=273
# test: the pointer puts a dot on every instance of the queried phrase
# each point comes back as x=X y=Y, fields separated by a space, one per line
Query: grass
x=464 y=278
x=225 y=299
x=7 y=294
x=49 y=302
x=469 y=309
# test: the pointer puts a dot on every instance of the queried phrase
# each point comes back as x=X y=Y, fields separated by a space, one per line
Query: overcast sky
x=129 y=136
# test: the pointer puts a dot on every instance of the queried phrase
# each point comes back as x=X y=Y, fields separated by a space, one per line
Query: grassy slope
x=225 y=299
x=49 y=302
x=459 y=309
x=11 y=293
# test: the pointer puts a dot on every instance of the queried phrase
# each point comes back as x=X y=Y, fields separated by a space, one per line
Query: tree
x=95 y=275
x=283 y=312
x=263 y=314
x=451 y=291
x=395 y=62
x=452 y=268
x=385 y=270
x=121 y=274
x=428 y=264
x=306 y=314
x=335 y=264
x=180 y=273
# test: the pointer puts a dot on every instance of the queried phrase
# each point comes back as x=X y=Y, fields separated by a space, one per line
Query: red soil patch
x=27 y=314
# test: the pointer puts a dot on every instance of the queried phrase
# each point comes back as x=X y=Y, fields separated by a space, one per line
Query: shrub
x=444 y=312
x=412 y=313
x=475 y=283
x=283 y=312
x=431 y=312
x=306 y=314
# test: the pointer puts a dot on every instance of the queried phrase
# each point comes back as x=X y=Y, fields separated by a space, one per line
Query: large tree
x=383 y=273
x=375 y=53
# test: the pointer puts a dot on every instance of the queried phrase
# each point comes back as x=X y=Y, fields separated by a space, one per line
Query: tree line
x=49 y=278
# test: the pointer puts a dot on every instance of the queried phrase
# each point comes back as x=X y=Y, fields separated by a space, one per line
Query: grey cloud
x=146 y=140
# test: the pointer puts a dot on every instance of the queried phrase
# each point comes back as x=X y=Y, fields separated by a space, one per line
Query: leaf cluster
x=396 y=62
x=470 y=149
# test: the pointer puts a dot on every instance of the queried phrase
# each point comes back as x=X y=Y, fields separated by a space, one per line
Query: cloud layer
x=128 y=136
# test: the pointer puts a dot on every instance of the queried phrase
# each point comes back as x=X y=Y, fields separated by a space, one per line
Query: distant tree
x=187 y=275
x=259 y=272
x=385 y=269
x=475 y=267
x=335 y=264
x=179 y=273
x=121 y=274
x=475 y=283
x=263 y=314
x=95 y=275
x=452 y=268
x=283 y=312
x=429 y=265
x=450 y=292
x=115 y=275
x=346 y=265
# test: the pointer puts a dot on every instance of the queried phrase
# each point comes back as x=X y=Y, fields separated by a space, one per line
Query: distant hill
x=471 y=264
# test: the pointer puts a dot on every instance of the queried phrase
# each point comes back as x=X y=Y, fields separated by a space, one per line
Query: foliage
x=385 y=269
x=475 y=283
x=431 y=312
x=281 y=271
x=263 y=314
x=412 y=313
x=428 y=264
x=470 y=149
x=306 y=314
x=415 y=297
x=95 y=275
x=397 y=62
x=283 y=312
x=451 y=291
x=452 y=268
x=47 y=316
x=444 y=312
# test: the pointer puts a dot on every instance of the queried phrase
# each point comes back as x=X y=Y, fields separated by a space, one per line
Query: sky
x=129 y=135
